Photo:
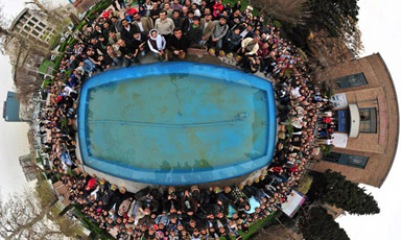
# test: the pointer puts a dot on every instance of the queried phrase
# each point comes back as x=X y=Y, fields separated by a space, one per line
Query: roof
x=17 y=18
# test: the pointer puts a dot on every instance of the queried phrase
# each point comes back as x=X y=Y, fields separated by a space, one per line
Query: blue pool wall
x=176 y=177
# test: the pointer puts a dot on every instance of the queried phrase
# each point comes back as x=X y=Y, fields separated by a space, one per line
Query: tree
x=339 y=18
x=27 y=84
x=334 y=15
x=51 y=14
x=317 y=224
x=347 y=195
x=334 y=20
x=278 y=232
x=3 y=30
x=32 y=215
x=290 y=11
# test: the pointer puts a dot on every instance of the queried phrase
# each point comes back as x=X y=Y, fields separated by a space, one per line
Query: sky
x=380 y=24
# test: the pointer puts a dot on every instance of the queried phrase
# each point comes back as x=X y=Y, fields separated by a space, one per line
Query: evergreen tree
x=347 y=195
x=339 y=18
x=317 y=224
x=335 y=15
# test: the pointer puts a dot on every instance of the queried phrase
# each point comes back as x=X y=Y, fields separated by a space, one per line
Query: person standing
x=144 y=24
x=232 y=41
x=127 y=30
x=164 y=25
x=195 y=32
x=219 y=32
x=208 y=27
x=121 y=3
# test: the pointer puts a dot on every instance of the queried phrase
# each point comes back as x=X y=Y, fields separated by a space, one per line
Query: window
x=368 y=120
x=343 y=118
x=355 y=80
x=26 y=28
x=31 y=24
x=347 y=159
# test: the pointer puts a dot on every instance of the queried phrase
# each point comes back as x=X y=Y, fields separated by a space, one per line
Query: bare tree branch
x=291 y=11
x=22 y=216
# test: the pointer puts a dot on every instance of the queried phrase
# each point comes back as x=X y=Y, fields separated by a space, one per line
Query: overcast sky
x=380 y=22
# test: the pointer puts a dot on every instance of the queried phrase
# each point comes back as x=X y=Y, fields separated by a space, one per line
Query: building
x=33 y=24
x=11 y=108
x=34 y=35
x=366 y=109
x=30 y=28
x=28 y=167
x=14 y=111
x=83 y=5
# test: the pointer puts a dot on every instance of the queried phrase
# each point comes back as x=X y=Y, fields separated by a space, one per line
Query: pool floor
x=177 y=121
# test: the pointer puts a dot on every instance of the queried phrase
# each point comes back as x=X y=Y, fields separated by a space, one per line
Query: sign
x=293 y=203
x=339 y=101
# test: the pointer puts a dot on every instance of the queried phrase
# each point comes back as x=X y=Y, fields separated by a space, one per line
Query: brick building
x=366 y=108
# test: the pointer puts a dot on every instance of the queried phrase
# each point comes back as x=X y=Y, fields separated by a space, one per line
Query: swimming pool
x=176 y=123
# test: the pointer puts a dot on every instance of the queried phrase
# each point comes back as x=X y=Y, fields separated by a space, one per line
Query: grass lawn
x=45 y=65
x=256 y=226
x=305 y=184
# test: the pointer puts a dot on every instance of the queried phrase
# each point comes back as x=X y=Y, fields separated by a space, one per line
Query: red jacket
x=131 y=11
x=217 y=6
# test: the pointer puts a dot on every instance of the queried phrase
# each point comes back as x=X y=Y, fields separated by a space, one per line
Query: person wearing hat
x=248 y=50
x=219 y=32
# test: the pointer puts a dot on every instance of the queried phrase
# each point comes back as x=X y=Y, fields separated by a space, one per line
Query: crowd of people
x=123 y=36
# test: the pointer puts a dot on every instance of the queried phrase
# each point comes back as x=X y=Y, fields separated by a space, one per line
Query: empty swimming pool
x=176 y=123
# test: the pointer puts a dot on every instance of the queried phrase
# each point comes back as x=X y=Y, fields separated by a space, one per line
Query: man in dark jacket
x=127 y=30
x=129 y=52
x=232 y=41
x=178 y=44
x=195 y=32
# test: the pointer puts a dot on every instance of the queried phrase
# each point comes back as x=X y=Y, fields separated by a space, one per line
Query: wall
x=380 y=147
